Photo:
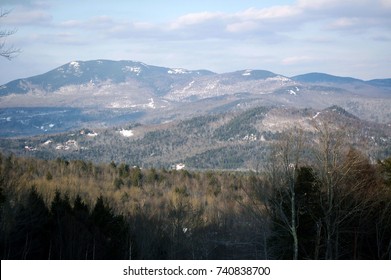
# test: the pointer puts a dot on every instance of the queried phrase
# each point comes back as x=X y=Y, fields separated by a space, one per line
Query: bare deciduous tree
x=286 y=158
x=7 y=52
x=346 y=181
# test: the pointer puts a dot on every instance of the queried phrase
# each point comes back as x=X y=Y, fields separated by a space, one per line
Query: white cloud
x=143 y=25
x=71 y=23
x=317 y=4
x=26 y=16
x=342 y=23
x=302 y=33
x=333 y=4
x=244 y=26
x=24 y=2
x=346 y=8
x=276 y=12
x=271 y=22
x=334 y=15
x=98 y=22
x=386 y=3
x=195 y=19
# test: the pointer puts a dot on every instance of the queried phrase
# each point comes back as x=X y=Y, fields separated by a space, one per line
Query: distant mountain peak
x=131 y=84
x=83 y=72
x=258 y=73
x=316 y=77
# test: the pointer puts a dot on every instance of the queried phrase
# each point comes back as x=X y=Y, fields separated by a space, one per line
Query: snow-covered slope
x=129 y=90
x=98 y=71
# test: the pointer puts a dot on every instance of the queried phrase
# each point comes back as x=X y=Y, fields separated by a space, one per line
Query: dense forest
x=315 y=199
x=239 y=140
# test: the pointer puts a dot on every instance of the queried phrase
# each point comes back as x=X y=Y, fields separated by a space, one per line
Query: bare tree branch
x=8 y=52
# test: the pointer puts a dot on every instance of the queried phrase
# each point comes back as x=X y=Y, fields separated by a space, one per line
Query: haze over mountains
x=173 y=83
x=103 y=93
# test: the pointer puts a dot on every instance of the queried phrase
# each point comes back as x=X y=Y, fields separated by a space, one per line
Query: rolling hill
x=103 y=93
x=234 y=140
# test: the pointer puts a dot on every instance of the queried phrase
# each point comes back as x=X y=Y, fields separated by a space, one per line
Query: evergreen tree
x=31 y=232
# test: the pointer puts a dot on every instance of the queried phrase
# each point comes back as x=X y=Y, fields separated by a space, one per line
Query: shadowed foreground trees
x=79 y=212
x=64 y=232
x=335 y=205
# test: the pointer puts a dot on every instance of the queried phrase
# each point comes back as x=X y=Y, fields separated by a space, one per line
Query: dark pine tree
x=31 y=233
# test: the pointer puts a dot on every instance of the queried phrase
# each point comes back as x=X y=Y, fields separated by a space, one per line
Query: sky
x=288 y=37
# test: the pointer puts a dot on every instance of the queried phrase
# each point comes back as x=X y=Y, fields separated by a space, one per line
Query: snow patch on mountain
x=247 y=73
x=250 y=137
x=75 y=64
x=122 y=104
x=48 y=142
x=70 y=144
x=74 y=68
x=187 y=87
x=136 y=70
x=178 y=71
x=316 y=115
x=280 y=79
x=126 y=133
x=151 y=104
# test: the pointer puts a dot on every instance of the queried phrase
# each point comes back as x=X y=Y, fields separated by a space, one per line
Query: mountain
x=103 y=93
x=233 y=140
x=96 y=71
x=324 y=78
x=380 y=83
x=175 y=83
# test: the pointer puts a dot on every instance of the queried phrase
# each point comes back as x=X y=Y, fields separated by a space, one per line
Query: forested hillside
x=239 y=140
x=324 y=200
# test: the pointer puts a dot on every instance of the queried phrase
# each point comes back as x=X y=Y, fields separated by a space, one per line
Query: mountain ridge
x=79 y=72
x=229 y=140
x=316 y=77
x=106 y=92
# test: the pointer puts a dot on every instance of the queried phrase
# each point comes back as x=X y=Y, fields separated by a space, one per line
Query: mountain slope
x=237 y=140
x=324 y=78
x=102 y=93
x=84 y=72
x=380 y=83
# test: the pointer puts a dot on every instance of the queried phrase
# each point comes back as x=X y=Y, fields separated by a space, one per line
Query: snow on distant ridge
x=247 y=73
x=76 y=67
x=279 y=78
x=136 y=70
x=75 y=64
x=178 y=71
